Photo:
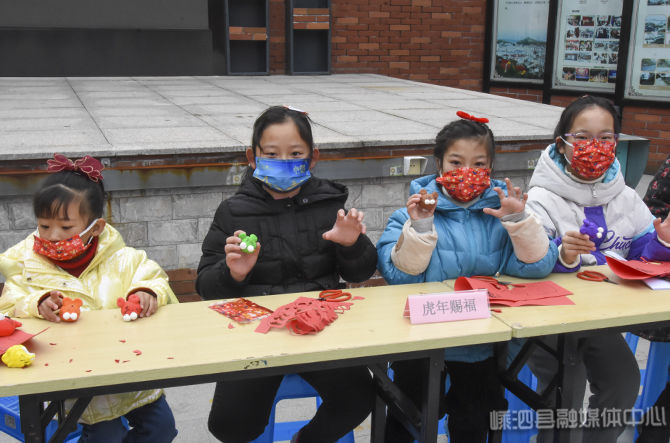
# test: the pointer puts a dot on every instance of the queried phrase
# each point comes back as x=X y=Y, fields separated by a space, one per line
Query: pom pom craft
x=8 y=325
x=130 y=309
x=428 y=201
x=591 y=229
x=17 y=356
x=70 y=310
x=248 y=244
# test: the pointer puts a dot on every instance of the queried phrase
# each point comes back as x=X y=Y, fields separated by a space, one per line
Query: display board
x=648 y=73
x=519 y=46
x=587 y=44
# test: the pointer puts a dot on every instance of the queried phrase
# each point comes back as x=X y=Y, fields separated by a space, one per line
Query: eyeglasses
x=603 y=136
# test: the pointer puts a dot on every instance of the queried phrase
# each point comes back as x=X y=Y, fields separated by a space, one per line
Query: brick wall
x=651 y=123
x=424 y=40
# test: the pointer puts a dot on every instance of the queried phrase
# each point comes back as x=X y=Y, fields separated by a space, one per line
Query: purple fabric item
x=595 y=215
x=654 y=250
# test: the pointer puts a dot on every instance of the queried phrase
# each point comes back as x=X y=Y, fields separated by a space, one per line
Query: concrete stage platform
x=119 y=116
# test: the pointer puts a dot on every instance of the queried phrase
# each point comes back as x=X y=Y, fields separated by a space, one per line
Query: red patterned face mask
x=63 y=250
x=464 y=184
x=592 y=158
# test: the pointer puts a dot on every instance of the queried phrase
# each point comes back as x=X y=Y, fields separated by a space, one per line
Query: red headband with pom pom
x=87 y=165
x=467 y=116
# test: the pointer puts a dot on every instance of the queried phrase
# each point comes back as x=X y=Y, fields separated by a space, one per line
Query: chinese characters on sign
x=587 y=44
x=447 y=306
x=527 y=419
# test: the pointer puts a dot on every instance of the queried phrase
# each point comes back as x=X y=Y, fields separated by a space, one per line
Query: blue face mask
x=282 y=175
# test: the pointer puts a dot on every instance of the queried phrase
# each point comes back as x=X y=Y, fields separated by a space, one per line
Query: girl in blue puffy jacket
x=478 y=226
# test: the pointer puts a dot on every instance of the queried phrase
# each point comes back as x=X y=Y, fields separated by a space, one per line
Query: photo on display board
x=572 y=45
x=584 y=57
x=602 y=32
x=598 y=75
x=582 y=74
x=586 y=45
x=569 y=74
x=613 y=58
x=614 y=46
x=574 y=20
x=615 y=33
x=520 y=46
x=571 y=56
x=587 y=20
x=572 y=33
x=654 y=30
x=648 y=70
x=662 y=79
x=611 y=76
x=587 y=33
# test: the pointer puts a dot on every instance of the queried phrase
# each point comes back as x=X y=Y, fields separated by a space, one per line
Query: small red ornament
x=70 y=310
x=8 y=325
x=130 y=309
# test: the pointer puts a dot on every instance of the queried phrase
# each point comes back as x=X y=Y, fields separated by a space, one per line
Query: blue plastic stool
x=11 y=421
x=654 y=378
x=515 y=405
x=293 y=386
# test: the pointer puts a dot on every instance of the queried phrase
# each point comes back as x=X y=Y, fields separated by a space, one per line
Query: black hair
x=277 y=115
x=463 y=129
x=280 y=114
x=571 y=112
x=61 y=188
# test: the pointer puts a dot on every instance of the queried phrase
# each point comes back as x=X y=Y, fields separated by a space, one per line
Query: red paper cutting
x=358 y=297
x=636 y=269
x=137 y=352
x=230 y=326
x=304 y=315
x=541 y=293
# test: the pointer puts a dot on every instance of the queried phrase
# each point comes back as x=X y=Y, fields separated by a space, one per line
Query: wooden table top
x=597 y=305
x=191 y=339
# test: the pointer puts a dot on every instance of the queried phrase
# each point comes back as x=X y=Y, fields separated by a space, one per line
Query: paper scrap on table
x=637 y=269
x=16 y=338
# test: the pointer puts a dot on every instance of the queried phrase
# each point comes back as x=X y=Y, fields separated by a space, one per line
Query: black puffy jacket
x=293 y=255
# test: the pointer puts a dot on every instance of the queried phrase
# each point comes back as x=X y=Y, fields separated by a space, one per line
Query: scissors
x=498 y=284
x=594 y=276
x=334 y=295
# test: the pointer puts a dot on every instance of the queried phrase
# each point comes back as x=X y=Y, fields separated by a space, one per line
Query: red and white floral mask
x=465 y=184
x=63 y=250
x=592 y=158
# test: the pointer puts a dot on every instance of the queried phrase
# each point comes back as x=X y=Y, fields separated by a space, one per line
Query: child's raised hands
x=238 y=262
x=347 y=228
x=49 y=306
x=512 y=203
x=663 y=229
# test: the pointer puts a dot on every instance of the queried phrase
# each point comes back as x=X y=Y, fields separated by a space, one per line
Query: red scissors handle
x=334 y=295
x=594 y=276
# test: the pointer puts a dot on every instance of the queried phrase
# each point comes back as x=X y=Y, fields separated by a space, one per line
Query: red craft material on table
x=308 y=315
x=637 y=269
x=541 y=293
x=241 y=310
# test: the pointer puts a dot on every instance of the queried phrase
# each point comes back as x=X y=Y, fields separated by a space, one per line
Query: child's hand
x=415 y=211
x=663 y=229
x=148 y=303
x=512 y=203
x=575 y=244
x=347 y=228
x=49 y=306
x=239 y=263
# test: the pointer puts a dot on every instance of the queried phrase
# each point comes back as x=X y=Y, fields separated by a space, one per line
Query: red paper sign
x=636 y=269
x=241 y=310
x=541 y=293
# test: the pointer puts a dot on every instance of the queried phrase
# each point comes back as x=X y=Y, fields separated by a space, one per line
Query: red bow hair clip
x=467 y=116
x=87 y=165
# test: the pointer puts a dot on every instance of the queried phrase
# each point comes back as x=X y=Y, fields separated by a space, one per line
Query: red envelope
x=636 y=269
x=541 y=293
x=16 y=338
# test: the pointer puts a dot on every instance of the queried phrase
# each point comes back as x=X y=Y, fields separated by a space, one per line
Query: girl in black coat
x=307 y=241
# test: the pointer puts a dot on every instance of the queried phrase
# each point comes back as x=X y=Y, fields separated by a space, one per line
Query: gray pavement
x=176 y=115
